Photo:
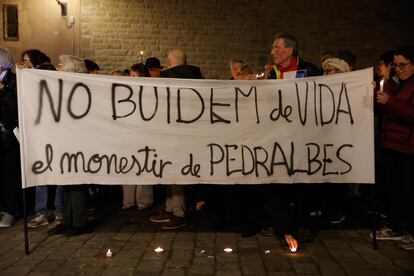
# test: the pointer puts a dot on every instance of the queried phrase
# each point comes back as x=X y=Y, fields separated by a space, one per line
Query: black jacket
x=183 y=72
x=8 y=109
x=311 y=69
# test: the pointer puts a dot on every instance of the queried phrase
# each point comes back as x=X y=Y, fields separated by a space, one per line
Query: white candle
x=142 y=56
x=159 y=250
x=382 y=85
x=109 y=253
x=228 y=250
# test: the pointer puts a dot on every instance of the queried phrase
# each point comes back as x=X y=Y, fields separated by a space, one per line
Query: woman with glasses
x=398 y=150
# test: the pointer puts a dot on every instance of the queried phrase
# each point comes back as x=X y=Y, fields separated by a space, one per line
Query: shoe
x=174 y=223
x=127 y=207
x=39 y=220
x=407 y=239
x=162 y=217
x=58 y=230
x=58 y=220
x=77 y=231
x=316 y=213
x=407 y=246
x=387 y=234
x=142 y=207
x=268 y=231
x=303 y=235
x=337 y=219
x=248 y=231
x=7 y=220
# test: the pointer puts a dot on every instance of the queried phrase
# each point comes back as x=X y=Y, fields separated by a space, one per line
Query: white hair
x=70 y=63
x=6 y=59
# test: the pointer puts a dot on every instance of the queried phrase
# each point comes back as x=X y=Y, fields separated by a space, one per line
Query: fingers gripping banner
x=79 y=128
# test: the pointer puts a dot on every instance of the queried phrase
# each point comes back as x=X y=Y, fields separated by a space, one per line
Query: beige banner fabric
x=81 y=129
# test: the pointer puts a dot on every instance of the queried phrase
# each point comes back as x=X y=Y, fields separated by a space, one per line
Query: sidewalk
x=194 y=250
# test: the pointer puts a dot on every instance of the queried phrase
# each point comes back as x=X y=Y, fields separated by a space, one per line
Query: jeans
x=41 y=200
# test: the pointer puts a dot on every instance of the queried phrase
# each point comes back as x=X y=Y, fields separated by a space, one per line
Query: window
x=11 y=23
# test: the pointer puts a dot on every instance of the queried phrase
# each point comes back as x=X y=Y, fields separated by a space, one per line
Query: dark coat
x=398 y=122
x=311 y=69
x=8 y=109
x=183 y=72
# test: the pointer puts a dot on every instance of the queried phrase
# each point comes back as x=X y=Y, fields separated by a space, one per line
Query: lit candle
x=382 y=85
x=109 y=253
x=267 y=252
x=228 y=250
x=159 y=250
x=293 y=249
x=142 y=56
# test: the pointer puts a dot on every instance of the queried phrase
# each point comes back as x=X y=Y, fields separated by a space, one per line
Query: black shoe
x=248 y=231
x=59 y=229
x=304 y=235
x=337 y=219
x=77 y=231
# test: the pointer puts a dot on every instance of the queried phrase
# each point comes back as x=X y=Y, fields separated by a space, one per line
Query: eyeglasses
x=277 y=48
x=400 y=66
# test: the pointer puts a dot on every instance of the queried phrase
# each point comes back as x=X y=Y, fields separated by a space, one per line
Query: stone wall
x=213 y=31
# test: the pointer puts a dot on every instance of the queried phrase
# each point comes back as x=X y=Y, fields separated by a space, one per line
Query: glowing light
x=228 y=250
x=109 y=253
x=293 y=249
x=159 y=250
x=382 y=85
x=267 y=252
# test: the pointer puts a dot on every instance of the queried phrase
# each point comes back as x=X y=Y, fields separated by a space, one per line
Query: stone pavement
x=194 y=250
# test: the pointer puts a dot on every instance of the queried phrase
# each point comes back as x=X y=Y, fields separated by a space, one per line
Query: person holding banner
x=398 y=150
x=141 y=196
x=288 y=65
x=75 y=198
x=175 y=205
x=9 y=147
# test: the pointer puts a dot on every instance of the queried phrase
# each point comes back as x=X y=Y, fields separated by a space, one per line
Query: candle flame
x=228 y=250
x=109 y=253
x=158 y=249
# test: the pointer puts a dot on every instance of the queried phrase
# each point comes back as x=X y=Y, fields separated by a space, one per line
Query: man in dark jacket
x=178 y=67
x=175 y=206
x=9 y=147
x=288 y=64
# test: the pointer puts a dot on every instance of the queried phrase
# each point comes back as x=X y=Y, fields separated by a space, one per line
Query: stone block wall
x=214 y=31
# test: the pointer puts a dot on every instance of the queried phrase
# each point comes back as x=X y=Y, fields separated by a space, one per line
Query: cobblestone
x=189 y=252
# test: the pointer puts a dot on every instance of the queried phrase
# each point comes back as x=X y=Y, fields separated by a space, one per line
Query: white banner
x=79 y=128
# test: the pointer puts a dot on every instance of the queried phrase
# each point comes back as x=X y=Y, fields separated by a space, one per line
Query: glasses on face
x=400 y=66
x=277 y=48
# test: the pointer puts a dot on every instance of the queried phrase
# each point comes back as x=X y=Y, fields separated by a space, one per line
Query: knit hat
x=337 y=63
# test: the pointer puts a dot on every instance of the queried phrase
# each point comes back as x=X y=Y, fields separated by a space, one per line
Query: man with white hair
x=75 y=199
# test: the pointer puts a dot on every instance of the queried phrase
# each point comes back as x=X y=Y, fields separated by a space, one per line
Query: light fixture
x=63 y=7
x=69 y=21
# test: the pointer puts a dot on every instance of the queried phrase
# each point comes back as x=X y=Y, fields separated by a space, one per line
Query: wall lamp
x=63 y=7
x=70 y=21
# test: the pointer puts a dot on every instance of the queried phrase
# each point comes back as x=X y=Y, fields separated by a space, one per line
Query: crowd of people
x=286 y=208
